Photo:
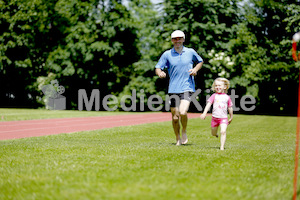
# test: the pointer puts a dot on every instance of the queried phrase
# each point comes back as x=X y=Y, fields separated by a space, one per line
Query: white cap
x=177 y=33
x=296 y=37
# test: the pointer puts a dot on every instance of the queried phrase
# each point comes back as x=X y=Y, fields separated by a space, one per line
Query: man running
x=180 y=62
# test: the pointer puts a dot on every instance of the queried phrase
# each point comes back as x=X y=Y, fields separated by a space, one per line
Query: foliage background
x=113 y=46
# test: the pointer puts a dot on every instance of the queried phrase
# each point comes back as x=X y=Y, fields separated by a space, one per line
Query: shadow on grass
x=183 y=144
x=213 y=147
x=191 y=144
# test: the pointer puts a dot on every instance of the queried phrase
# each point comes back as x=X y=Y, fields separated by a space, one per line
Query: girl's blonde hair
x=224 y=80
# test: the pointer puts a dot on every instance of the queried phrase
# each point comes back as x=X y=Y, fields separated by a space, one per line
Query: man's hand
x=162 y=74
x=193 y=72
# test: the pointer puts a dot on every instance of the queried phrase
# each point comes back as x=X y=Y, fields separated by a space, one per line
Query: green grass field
x=28 y=114
x=142 y=162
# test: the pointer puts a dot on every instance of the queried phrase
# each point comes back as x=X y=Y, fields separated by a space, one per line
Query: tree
x=142 y=78
x=82 y=44
x=246 y=42
x=28 y=32
x=98 y=50
x=261 y=52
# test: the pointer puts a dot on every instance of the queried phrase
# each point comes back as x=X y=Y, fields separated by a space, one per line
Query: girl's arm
x=207 y=107
x=230 y=110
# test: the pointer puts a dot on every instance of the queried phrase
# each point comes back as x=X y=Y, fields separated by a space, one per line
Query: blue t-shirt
x=178 y=66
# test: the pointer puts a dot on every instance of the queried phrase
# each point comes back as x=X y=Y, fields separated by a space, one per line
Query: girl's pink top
x=221 y=102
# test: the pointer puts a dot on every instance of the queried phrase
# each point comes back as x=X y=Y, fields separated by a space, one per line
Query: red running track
x=34 y=128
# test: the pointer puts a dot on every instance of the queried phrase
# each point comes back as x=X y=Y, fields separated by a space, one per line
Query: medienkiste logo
x=54 y=98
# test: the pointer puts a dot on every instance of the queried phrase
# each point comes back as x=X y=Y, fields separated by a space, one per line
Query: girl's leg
x=214 y=131
x=223 y=135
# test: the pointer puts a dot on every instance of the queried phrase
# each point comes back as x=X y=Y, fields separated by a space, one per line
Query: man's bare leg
x=183 y=108
x=176 y=124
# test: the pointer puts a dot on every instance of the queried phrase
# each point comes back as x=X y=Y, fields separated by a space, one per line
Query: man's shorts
x=217 y=121
x=174 y=99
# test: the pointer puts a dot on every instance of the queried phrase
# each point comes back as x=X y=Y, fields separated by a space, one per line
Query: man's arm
x=193 y=72
x=160 y=73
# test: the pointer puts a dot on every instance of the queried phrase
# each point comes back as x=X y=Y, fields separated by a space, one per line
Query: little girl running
x=221 y=103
